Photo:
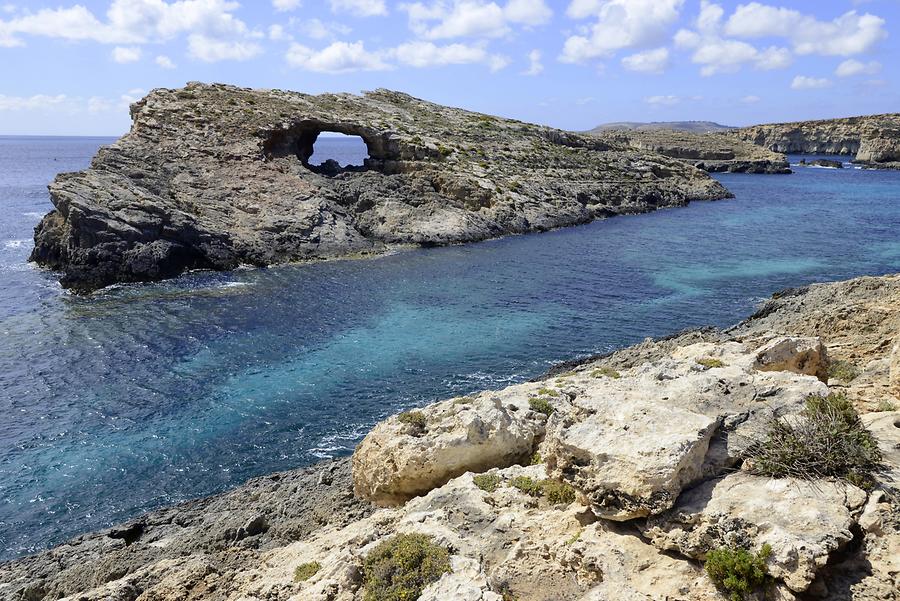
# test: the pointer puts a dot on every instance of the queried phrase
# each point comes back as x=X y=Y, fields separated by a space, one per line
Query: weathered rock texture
x=214 y=176
x=649 y=440
x=709 y=152
x=872 y=140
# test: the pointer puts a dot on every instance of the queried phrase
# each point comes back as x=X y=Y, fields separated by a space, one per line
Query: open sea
x=146 y=395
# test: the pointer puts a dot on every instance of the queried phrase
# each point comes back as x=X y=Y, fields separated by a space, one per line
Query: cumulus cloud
x=339 y=57
x=30 y=103
x=134 y=22
x=717 y=54
x=851 y=67
x=427 y=54
x=126 y=54
x=620 y=24
x=662 y=100
x=535 y=66
x=164 y=62
x=212 y=50
x=802 y=82
x=649 y=61
x=319 y=30
x=849 y=34
x=359 y=8
x=474 y=18
x=286 y=5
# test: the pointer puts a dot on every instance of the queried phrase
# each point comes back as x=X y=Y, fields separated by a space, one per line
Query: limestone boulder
x=894 y=374
x=411 y=454
x=799 y=355
x=804 y=522
x=885 y=426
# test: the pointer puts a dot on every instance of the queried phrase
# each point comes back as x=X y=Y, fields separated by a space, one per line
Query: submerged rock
x=215 y=176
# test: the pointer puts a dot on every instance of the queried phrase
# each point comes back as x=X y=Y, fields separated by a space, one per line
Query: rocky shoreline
x=614 y=478
x=216 y=176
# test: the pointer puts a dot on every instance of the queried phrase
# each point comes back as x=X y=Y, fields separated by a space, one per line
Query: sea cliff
x=622 y=476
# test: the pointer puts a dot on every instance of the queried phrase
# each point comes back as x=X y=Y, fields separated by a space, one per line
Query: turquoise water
x=146 y=395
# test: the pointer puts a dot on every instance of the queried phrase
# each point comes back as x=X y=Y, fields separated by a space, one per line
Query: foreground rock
x=611 y=480
x=706 y=151
x=214 y=176
x=872 y=140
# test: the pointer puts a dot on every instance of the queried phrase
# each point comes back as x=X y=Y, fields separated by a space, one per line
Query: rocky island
x=670 y=470
x=215 y=176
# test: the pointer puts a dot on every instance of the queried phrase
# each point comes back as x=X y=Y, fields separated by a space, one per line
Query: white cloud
x=535 y=66
x=849 y=34
x=750 y=99
x=427 y=54
x=126 y=54
x=802 y=82
x=165 y=62
x=498 y=62
x=319 y=30
x=851 y=67
x=286 y=5
x=359 y=8
x=474 y=18
x=649 y=61
x=662 y=100
x=717 y=54
x=620 y=24
x=101 y=104
x=30 y=103
x=339 y=57
x=211 y=50
x=277 y=33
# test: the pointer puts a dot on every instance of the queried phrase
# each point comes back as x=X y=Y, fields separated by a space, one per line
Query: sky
x=73 y=68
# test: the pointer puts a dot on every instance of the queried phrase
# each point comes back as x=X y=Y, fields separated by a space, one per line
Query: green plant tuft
x=487 y=482
x=557 y=492
x=305 y=571
x=606 y=372
x=535 y=459
x=463 y=400
x=400 y=567
x=828 y=440
x=541 y=405
x=548 y=392
x=843 y=370
x=526 y=485
x=886 y=405
x=413 y=418
x=710 y=363
x=738 y=572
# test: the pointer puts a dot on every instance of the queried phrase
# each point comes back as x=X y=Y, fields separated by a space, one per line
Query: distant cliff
x=694 y=127
x=873 y=140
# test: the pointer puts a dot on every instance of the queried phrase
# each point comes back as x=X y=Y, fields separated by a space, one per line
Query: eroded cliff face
x=640 y=471
x=214 y=176
x=872 y=140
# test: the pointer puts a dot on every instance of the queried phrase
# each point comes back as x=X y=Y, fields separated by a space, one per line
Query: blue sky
x=73 y=69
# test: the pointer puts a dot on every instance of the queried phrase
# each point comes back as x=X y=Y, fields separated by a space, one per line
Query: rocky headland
x=215 y=176
x=623 y=477
x=707 y=151
x=873 y=141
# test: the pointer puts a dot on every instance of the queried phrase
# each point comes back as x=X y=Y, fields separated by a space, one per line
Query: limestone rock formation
x=873 y=140
x=215 y=176
x=706 y=151
x=894 y=373
x=798 y=355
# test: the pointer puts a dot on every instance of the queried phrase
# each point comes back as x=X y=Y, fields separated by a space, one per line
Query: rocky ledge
x=215 y=176
x=873 y=140
x=713 y=152
x=620 y=477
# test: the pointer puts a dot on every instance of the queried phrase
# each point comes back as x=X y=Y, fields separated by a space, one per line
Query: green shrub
x=548 y=392
x=399 y=568
x=526 y=485
x=305 y=571
x=535 y=459
x=710 y=363
x=487 y=482
x=828 y=440
x=843 y=370
x=463 y=400
x=557 y=492
x=606 y=372
x=541 y=405
x=413 y=418
x=738 y=572
x=885 y=405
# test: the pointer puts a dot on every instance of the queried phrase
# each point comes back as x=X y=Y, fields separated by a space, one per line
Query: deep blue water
x=150 y=394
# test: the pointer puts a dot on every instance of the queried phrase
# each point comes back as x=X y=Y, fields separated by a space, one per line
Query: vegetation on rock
x=305 y=571
x=606 y=372
x=541 y=405
x=710 y=363
x=399 y=569
x=413 y=418
x=843 y=370
x=738 y=572
x=827 y=440
x=487 y=482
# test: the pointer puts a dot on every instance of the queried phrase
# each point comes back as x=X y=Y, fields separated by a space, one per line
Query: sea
x=145 y=395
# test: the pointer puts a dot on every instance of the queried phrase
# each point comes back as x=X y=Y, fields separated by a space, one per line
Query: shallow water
x=150 y=394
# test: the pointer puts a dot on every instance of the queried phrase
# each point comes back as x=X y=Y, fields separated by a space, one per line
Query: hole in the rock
x=335 y=152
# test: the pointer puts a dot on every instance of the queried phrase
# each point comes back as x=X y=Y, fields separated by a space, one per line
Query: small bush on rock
x=710 y=363
x=413 y=418
x=558 y=492
x=526 y=485
x=541 y=405
x=548 y=392
x=399 y=568
x=606 y=372
x=487 y=482
x=738 y=572
x=885 y=405
x=828 y=440
x=305 y=571
x=843 y=370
